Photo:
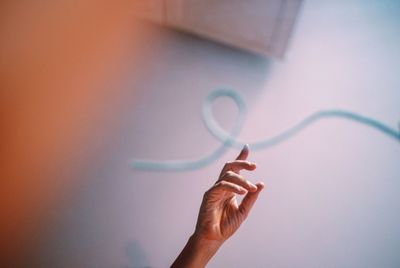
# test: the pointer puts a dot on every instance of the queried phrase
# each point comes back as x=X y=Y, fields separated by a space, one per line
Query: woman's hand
x=220 y=214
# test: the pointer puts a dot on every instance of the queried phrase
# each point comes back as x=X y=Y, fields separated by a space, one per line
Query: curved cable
x=229 y=139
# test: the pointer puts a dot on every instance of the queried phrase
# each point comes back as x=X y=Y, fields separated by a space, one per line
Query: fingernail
x=246 y=147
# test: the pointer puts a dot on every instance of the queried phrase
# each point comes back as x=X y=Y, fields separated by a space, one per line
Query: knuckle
x=208 y=192
x=226 y=165
x=230 y=173
x=216 y=186
x=222 y=183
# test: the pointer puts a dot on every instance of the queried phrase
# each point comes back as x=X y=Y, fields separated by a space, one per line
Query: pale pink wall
x=331 y=197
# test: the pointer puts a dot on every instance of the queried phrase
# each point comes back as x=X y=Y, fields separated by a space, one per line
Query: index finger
x=244 y=153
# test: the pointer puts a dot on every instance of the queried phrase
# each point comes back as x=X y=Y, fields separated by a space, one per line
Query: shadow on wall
x=177 y=78
x=136 y=256
x=172 y=79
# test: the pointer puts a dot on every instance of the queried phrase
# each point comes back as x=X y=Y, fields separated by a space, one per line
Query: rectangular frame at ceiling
x=261 y=26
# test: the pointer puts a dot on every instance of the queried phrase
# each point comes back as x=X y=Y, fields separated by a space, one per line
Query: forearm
x=197 y=252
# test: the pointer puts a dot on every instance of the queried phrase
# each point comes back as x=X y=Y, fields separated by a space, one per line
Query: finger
x=237 y=179
x=238 y=165
x=249 y=200
x=244 y=153
x=228 y=187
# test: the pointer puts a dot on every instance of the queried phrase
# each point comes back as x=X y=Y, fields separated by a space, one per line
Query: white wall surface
x=331 y=197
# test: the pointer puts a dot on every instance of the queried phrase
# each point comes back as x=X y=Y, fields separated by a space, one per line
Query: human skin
x=220 y=214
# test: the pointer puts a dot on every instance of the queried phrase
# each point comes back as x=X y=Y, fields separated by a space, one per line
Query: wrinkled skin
x=220 y=214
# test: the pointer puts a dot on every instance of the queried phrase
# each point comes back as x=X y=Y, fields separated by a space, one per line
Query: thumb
x=249 y=200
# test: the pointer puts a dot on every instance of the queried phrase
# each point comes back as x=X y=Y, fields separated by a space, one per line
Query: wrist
x=204 y=248
x=197 y=252
x=204 y=244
